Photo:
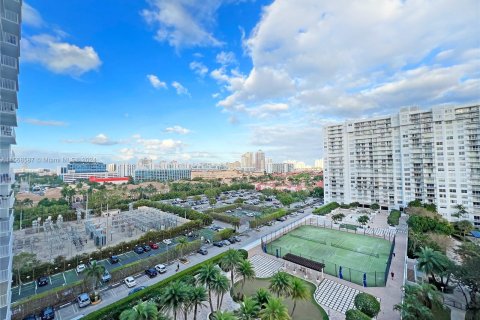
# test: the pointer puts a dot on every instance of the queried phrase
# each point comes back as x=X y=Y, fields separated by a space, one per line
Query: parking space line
x=64 y=279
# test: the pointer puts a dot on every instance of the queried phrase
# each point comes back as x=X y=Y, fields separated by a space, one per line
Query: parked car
x=146 y=248
x=138 y=250
x=281 y=219
x=203 y=251
x=80 y=268
x=106 y=277
x=114 y=259
x=161 y=268
x=130 y=282
x=218 y=244
x=42 y=281
x=226 y=243
x=232 y=240
x=237 y=238
x=167 y=241
x=83 y=300
x=153 y=245
x=301 y=211
x=151 y=272
x=136 y=290
x=47 y=314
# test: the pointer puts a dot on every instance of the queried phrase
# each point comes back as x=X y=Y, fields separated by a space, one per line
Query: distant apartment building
x=429 y=155
x=145 y=163
x=247 y=161
x=234 y=165
x=126 y=169
x=73 y=177
x=162 y=174
x=112 y=167
x=260 y=161
x=83 y=166
x=318 y=164
x=282 y=167
x=10 y=15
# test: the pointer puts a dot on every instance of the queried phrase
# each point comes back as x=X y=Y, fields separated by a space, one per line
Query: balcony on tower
x=7 y=135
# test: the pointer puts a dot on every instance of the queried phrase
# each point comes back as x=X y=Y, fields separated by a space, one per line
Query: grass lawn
x=305 y=310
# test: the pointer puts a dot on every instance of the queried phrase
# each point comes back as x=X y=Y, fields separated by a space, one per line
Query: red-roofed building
x=114 y=180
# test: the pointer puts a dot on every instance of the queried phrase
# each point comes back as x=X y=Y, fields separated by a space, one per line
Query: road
x=118 y=291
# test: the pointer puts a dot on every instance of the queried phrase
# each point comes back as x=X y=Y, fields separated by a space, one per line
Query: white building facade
x=10 y=15
x=126 y=169
x=429 y=155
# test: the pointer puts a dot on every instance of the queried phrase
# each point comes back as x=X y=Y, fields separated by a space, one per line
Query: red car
x=153 y=245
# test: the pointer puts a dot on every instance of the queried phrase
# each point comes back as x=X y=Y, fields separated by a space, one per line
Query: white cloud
x=199 y=68
x=226 y=58
x=30 y=16
x=59 y=56
x=183 y=23
x=180 y=89
x=103 y=140
x=177 y=129
x=47 y=123
x=337 y=58
x=159 y=145
x=155 y=82
x=126 y=154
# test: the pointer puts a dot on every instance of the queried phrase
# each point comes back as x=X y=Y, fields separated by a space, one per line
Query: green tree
x=182 y=243
x=94 y=272
x=206 y=276
x=198 y=295
x=220 y=286
x=464 y=226
x=375 y=206
x=248 y=310
x=230 y=261
x=426 y=293
x=355 y=314
x=298 y=291
x=274 y=310
x=461 y=211
x=363 y=220
x=431 y=262
x=23 y=261
x=338 y=217
x=197 y=198
x=468 y=276
x=142 y=311
x=173 y=297
x=280 y=284
x=245 y=270
x=367 y=304
x=262 y=296
x=412 y=309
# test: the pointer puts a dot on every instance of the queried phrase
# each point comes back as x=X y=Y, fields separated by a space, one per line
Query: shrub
x=223 y=234
x=243 y=253
x=354 y=314
x=375 y=206
x=394 y=218
x=268 y=217
x=367 y=304
x=326 y=209
x=234 y=221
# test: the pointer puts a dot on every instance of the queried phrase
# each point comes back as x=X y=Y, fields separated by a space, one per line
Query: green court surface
x=353 y=256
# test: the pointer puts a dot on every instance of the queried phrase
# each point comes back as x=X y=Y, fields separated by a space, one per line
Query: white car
x=81 y=268
x=130 y=282
x=161 y=268
x=167 y=241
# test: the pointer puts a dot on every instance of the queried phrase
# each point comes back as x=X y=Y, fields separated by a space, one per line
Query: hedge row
x=114 y=310
x=234 y=221
x=223 y=209
x=394 y=217
x=326 y=209
x=267 y=218
x=62 y=295
x=223 y=234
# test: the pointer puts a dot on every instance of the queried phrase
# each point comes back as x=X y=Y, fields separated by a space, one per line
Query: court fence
x=366 y=279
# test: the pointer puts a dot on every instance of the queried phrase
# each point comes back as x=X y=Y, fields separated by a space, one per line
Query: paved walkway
x=335 y=295
x=264 y=266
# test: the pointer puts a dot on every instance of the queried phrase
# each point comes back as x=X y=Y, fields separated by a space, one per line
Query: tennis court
x=357 y=258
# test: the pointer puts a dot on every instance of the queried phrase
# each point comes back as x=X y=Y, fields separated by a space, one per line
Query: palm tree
x=198 y=295
x=431 y=262
x=298 y=291
x=413 y=309
x=173 y=297
x=220 y=286
x=280 y=284
x=245 y=270
x=206 y=276
x=182 y=244
x=426 y=293
x=227 y=315
x=230 y=262
x=248 y=310
x=95 y=272
x=143 y=311
x=262 y=296
x=274 y=310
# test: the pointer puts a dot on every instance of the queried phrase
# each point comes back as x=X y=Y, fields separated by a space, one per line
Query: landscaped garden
x=306 y=309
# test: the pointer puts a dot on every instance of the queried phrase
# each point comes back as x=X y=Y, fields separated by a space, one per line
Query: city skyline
x=205 y=91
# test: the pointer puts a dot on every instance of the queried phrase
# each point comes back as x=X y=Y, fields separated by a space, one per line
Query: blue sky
x=208 y=80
